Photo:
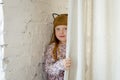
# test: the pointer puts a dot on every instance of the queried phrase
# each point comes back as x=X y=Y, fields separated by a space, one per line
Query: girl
x=54 y=57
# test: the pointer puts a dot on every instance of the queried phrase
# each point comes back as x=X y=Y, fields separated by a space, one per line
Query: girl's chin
x=62 y=39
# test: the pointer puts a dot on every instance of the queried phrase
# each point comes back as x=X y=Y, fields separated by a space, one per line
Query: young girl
x=54 y=57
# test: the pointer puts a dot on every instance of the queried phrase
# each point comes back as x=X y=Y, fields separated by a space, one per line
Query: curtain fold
x=75 y=40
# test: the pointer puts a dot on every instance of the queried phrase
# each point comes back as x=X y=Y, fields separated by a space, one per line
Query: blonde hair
x=59 y=20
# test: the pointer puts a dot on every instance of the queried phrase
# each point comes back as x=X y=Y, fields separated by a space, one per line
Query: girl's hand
x=67 y=63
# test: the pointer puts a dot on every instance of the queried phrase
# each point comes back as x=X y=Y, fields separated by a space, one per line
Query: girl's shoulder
x=51 y=46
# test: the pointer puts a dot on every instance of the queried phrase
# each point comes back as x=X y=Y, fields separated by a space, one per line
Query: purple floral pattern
x=54 y=70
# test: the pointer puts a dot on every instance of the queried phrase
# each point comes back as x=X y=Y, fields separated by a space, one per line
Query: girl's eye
x=65 y=28
x=57 y=28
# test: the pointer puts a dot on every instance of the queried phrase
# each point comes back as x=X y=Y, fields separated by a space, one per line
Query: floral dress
x=54 y=70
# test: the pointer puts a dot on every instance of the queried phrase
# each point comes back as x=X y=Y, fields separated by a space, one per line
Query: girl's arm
x=51 y=67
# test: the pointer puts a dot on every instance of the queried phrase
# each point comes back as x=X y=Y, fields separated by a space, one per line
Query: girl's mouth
x=61 y=36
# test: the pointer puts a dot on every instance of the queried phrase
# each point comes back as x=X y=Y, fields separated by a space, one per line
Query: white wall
x=27 y=30
x=59 y=6
x=1 y=42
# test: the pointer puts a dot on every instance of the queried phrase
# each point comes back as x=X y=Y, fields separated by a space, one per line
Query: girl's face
x=61 y=32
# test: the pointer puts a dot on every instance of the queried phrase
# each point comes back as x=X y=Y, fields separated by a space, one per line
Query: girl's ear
x=55 y=15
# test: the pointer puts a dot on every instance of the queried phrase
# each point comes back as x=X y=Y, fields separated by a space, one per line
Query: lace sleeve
x=51 y=67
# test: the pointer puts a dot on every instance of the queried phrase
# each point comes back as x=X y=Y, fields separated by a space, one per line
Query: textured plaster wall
x=27 y=30
x=59 y=6
x=1 y=41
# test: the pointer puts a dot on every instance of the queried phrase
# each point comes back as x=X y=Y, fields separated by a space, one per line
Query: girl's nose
x=62 y=31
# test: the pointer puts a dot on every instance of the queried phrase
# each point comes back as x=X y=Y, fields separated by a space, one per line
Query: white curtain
x=106 y=40
x=94 y=40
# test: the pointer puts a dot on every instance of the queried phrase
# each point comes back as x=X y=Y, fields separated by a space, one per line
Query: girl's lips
x=61 y=36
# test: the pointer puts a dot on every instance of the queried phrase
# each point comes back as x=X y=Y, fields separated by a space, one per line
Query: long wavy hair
x=60 y=19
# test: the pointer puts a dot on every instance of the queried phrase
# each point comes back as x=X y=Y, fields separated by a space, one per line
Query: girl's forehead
x=60 y=26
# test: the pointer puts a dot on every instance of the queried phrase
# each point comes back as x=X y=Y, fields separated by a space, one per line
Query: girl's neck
x=62 y=42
